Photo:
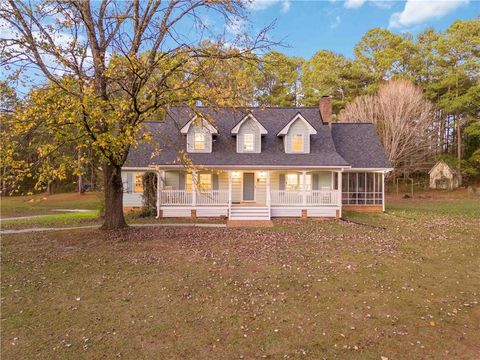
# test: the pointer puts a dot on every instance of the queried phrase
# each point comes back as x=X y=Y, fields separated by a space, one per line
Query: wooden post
x=229 y=192
x=159 y=181
x=268 y=189
x=339 y=186
x=304 y=185
x=194 y=185
x=383 y=191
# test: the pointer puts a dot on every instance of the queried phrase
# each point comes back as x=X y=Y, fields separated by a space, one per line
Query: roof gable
x=298 y=116
x=204 y=123
x=237 y=127
x=445 y=167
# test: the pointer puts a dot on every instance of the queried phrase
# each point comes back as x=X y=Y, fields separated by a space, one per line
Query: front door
x=248 y=186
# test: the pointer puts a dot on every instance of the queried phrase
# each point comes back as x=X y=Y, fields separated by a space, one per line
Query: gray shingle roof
x=359 y=145
x=167 y=141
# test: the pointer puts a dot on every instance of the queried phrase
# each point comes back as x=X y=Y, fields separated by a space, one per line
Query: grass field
x=44 y=204
x=406 y=287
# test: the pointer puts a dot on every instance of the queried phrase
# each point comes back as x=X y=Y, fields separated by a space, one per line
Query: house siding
x=172 y=180
x=249 y=126
x=298 y=127
x=324 y=179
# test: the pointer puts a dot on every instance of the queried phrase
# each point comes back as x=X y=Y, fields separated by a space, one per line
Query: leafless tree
x=403 y=119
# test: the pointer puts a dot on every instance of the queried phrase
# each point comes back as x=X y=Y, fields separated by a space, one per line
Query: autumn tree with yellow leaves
x=116 y=64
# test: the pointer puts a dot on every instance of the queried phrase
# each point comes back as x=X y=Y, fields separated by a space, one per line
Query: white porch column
x=194 y=185
x=229 y=191
x=269 y=199
x=339 y=188
x=159 y=191
x=383 y=191
x=304 y=186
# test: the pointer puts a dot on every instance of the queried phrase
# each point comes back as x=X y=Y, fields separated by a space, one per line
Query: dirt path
x=32 y=230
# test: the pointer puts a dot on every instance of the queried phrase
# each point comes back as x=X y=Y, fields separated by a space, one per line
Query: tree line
x=443 y=69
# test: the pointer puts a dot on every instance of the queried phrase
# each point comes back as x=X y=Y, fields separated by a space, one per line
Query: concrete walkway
x=34 y=230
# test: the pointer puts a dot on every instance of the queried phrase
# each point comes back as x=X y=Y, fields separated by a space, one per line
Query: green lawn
x=303 y=289
x=44 y=204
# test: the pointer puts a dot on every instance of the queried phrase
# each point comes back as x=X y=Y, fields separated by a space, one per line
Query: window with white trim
x=204 y=182
x=138 y=182
x=199 y=141
x=293 y=181
x=298 y=144
x=248 y=142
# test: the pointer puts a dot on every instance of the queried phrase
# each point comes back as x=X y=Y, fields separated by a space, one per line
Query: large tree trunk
x=113 y=187
x=49 y=187
x=80 y=176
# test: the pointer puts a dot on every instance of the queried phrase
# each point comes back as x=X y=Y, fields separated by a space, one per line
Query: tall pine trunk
x=113 y=188
x=459 y=151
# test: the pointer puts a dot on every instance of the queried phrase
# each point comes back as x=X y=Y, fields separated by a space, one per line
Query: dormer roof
x=298 y=116
x=237 y=127
x=204 y=122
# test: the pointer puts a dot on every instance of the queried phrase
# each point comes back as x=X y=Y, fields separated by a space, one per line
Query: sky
x=309 y=26
x=305 y=27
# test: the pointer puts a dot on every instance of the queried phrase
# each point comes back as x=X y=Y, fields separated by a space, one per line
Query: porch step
x=249 y=213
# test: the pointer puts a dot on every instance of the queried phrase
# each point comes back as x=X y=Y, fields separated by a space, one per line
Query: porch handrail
x=177 y=197
x=212 y=197
x=323 y=197
x=186 y=197
x=286 y=197
x=313 y=197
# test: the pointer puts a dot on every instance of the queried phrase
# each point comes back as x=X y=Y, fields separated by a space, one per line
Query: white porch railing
x=213 y=197
x=323 y=197
x=185 y=197
x=277 y=197
x=312 y=197
x=286 y=197
x=176 y=197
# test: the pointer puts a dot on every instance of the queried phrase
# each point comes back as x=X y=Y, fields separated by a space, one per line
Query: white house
x=257 y=163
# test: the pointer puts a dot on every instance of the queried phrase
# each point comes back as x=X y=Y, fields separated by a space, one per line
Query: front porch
x=249 y=194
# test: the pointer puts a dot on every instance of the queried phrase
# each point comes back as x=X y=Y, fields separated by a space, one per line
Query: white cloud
x=353 y=4
x=419 y=11
x=383 y=4
x=334 y=24
x=258 y=5
x=286 y=5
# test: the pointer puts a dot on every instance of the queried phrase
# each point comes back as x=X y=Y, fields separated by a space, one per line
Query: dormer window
x=249 y=134
x=248 y=142
x=296 y=135
x=199 y=133
x=298 y=144
x=199 y=141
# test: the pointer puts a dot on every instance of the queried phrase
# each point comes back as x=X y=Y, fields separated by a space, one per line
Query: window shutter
x=129 y=182
x=315 y=181
x=281 y=182
x=181 y=181
x=215 y=181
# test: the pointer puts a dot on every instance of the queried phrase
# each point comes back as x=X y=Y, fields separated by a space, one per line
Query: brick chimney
x=326 y=109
